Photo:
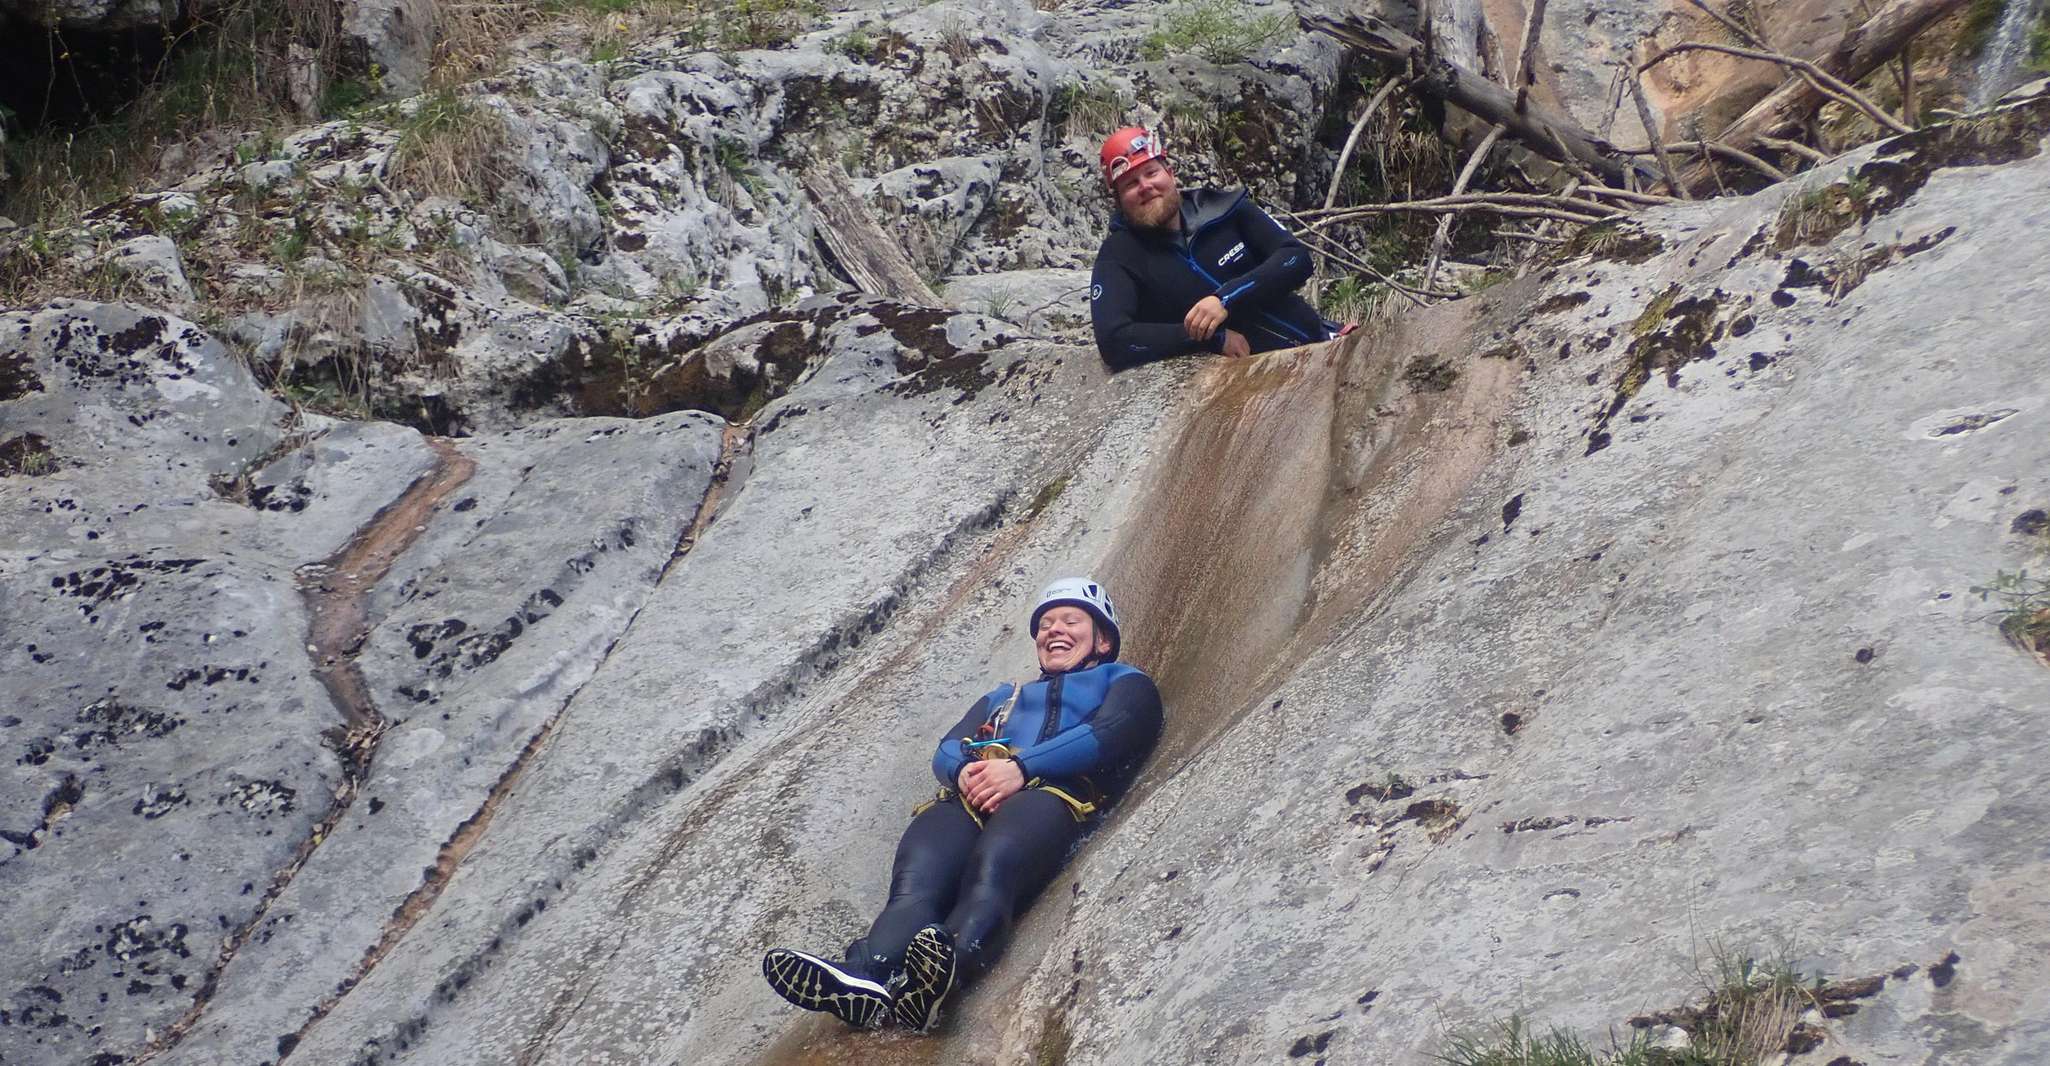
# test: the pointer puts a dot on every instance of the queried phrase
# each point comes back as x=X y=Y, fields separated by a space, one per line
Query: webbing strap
x=1080 y=808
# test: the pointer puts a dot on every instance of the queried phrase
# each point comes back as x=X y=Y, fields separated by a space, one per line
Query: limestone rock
x=390 y=41
x=152 y=266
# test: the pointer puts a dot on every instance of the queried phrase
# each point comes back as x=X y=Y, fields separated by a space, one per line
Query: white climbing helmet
x=1085 y=593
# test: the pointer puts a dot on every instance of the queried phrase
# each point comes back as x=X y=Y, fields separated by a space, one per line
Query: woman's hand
x=1235 y=345
x=989 y=783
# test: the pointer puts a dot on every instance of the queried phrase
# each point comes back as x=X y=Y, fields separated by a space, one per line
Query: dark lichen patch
x=1311 y=1045
x=1428 y=373
x=1538 y=824
x=1902 y=165
x=1562 y=302
x=1819 y=214
x=1439 y=817
x=97 y=585
x=1944 y=971
x=58 y=803
x=1046 y=496
x=28 y=455
x=1670 y=334
x=17 y=376
x=2034 y=522
x=1393 y=788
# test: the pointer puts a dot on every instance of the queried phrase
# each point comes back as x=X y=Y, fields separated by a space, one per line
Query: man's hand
x=989 y=783
x=1204 y=318
x=1235 y=344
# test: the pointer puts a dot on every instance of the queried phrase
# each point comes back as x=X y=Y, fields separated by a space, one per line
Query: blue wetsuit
x=1098 y=723
x=1146 y=280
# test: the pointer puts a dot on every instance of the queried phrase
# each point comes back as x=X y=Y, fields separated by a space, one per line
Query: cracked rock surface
x=1512 y=650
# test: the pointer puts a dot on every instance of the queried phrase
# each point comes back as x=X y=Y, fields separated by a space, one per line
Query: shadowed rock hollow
x=1514 y=652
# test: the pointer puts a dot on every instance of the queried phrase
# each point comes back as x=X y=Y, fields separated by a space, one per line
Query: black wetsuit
x=1099 y=723
x=1146 y=280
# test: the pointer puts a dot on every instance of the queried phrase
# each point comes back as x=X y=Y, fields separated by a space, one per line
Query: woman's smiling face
x=1066 y=638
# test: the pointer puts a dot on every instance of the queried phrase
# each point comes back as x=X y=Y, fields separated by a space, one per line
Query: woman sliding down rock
x=1023 y=775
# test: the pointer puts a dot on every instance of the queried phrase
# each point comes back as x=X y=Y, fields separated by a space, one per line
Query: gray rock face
x=392 y=38
x=169 y=541
x=1513 y=651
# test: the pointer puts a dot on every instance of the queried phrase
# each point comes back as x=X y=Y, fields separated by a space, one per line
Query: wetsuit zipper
x=1051 y=724
x=1185 y=247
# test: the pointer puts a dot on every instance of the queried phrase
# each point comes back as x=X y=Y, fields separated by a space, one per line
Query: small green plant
x=291 y=247
x=1000 y=303
x=746 y=24
x=351 y=96
x=28 y=455
x=1515 y=1043
x=1981 y=18
x=1220 y=31
x=2039 y=44
x=738 y=169
x=2024 y=607
x=856 y=44
x=1088 y=110
x=1749 y=1017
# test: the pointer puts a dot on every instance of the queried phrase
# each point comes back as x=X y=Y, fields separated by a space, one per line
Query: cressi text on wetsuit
x=1098 y=723
x=1146 y=280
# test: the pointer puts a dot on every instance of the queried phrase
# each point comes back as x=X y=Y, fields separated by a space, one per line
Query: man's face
x=1067 y=636
x=1148 y=195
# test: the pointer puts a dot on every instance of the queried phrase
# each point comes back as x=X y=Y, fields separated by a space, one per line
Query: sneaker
x=815 y=984
x=927 y=978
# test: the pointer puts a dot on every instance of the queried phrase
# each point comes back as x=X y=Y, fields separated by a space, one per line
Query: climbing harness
x=987 y=746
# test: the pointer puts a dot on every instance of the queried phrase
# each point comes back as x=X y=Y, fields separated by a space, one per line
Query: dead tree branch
x=1651 y=130
x=1718 y=148
x=1828 y=84
x=1779 y=144
x=1352 y=139
x=1526 y=60
x=1544 y=131
x=1444 y=231
x=1855 y=57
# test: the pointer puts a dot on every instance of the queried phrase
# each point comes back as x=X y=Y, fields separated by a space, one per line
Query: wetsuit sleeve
x=947 y=759
x=1124 y=341
x=1284 y=261
x=1122 y=730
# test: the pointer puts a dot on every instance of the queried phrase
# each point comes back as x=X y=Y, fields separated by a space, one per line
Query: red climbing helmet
x=1128 y=149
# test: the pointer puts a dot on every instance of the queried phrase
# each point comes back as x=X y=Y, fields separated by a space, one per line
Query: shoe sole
x=815 y=984
x=928 y=978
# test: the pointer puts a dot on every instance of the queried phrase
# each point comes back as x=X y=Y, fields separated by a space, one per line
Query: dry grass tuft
x=450 y=146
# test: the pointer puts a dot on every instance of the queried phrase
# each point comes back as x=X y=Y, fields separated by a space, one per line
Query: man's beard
x=1157 y=214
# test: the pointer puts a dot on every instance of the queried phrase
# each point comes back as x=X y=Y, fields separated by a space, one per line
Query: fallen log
x=1541 y=130
x=873 y=260
x=1860 y=52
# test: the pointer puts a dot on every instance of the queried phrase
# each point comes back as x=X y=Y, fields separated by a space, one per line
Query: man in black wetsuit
x=1023 y=775
x=1202 y=271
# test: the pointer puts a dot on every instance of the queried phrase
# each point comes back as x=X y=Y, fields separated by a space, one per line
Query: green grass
x=2023 y=607
x=1981 y=18
x=226 y=69
x=747 y=24
x=1749 y=1012
x=1220 y=31
x=1514 y=1042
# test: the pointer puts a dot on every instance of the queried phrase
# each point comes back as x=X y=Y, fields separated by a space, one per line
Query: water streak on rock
x=337 y=593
